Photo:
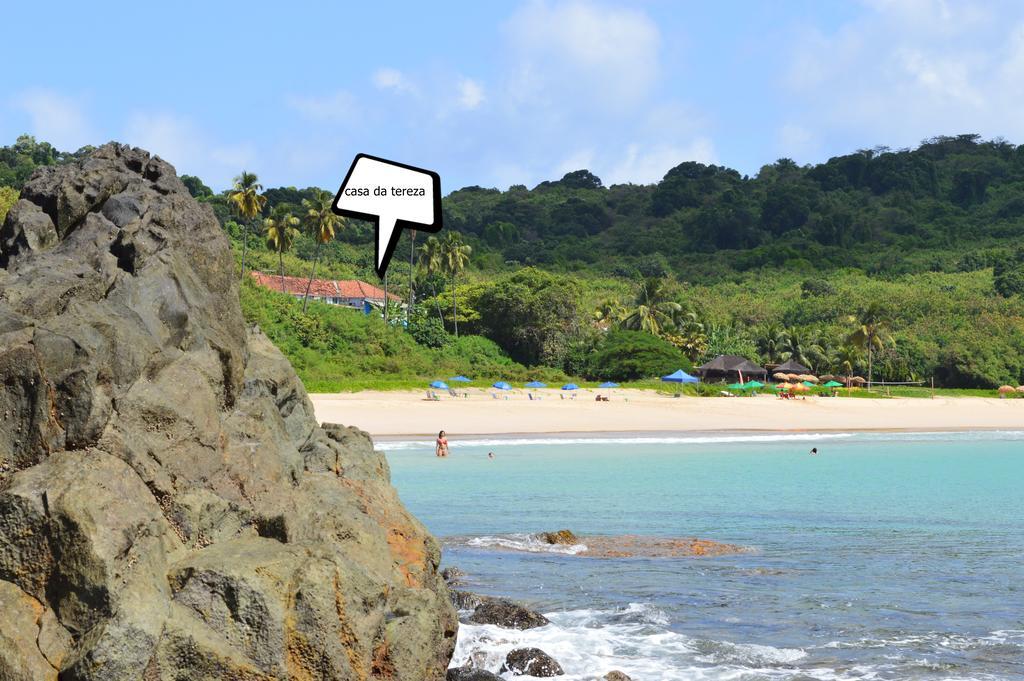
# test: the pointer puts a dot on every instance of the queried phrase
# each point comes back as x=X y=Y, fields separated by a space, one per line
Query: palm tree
x=847 y=359
x=454 y=258
x=430 y=263
x=247 y=201
x=871 y=332
x=281 y=229
x=609 y=312
x=322 y=223
x=652 y=310
x=771 y=343
x=799 y=348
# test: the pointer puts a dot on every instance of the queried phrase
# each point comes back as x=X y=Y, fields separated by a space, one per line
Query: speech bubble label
x=393 y=196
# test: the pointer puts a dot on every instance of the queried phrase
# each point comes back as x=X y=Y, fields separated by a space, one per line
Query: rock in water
x=471 y=674
x=560 y=537
x=616 y=675
x=169 y=508
x=532 y=662
x=505 y=613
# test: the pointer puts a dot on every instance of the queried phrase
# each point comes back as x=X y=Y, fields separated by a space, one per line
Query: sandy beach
x=409 y=413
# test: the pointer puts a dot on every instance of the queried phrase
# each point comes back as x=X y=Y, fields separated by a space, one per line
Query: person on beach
x=442 y=445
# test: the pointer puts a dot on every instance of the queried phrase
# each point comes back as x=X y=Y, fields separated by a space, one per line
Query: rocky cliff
x=169 y=507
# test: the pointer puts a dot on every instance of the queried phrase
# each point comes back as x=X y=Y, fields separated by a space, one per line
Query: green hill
x=922 y=249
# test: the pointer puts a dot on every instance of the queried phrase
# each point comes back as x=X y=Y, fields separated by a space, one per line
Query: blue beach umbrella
x=680 y=376
x=440 y=385
x=570 y=386
x=502 y=385
x=536 y=384
x=460 y=379
x=608 y=384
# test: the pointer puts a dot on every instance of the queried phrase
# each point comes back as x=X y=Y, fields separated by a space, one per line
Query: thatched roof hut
x=792 y=367
x=729 y=367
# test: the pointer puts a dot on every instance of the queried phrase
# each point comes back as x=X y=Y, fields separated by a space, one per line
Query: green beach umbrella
x=810 y=385
x=755 y=384
x=833 y=384
x=736 y=386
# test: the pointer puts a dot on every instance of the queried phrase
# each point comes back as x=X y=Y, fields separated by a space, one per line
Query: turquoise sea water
x=884 y=557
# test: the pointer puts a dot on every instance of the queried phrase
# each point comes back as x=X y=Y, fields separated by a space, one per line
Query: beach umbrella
x=800 y=388
x=502 y=385
x=1007 y=389
x=608 y=384
x=736 y=386
x=828 y=377
x=755 y=384
x=440 y=385
x=808 y=384
x=780 y=376
x=680 y=376
x=793 y=377
x=460 y=379
x=570 y=386
x=833 y=384
x=783 y=386
x=809 y=378
x=858 y=379
x=1020 y=388
x=536 y=384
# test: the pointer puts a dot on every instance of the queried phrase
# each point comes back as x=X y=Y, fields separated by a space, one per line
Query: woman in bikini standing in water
x=442 y=445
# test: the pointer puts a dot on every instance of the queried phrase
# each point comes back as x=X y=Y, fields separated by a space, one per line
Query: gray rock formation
x=616 y=675
x=531 y=662
x=505 y=613
x=169 y=508
x=471 y=674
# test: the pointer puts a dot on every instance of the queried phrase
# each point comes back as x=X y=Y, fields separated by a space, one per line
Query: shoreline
x=402 y=414
x=683 y=434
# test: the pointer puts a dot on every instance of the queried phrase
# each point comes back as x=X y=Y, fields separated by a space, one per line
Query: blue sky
x=502 y=93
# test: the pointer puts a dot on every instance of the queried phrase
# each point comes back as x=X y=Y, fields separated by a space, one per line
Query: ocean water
x=884 y=557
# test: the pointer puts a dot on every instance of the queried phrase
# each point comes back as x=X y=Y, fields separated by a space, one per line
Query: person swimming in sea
x=490 y=455
x=814 y=451
x=442 y=445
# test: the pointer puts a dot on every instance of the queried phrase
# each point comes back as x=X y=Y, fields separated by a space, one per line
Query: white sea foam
x=590 y=643
x=701 y=439
x=524 y=542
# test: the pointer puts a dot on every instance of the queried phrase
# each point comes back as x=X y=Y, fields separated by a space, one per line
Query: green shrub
x=628 y=355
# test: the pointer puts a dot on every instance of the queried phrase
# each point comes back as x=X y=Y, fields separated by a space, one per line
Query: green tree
x=771 y=343
x=454 y=258
x=531 y=314
x=8 y=197
x=247 y=201
x=800 y=348
x=871 y=332
x=322 y=223
x=196 y=187
x=627 y=355
x=652 y=310
x=281 y=228
x=430 y=262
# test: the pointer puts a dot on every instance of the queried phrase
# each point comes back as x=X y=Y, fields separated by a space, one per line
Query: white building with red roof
x=347 y=292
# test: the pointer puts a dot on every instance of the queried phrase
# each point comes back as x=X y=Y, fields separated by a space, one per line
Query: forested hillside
x=906 y=264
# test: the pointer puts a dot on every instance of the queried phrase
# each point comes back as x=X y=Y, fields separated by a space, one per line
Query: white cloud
x=179 y=141
x=55 y=118
x=578 y=49
x=906 y=70
x=645 y=164
x=471 y=94
x=340 y=106
x=392 y=79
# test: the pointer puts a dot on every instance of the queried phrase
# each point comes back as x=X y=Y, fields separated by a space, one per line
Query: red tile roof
x=323 y=288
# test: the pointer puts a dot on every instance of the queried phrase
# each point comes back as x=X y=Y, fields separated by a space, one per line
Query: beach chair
x=533 y=397
x=432 y=397
x=456 y=395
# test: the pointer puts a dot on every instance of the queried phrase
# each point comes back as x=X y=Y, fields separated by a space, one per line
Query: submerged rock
x=169 y=507
x=471 y=674
x=505 y=613
x=531 y=662
x=467 y=600
x=560 y=537
x=616 y=675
